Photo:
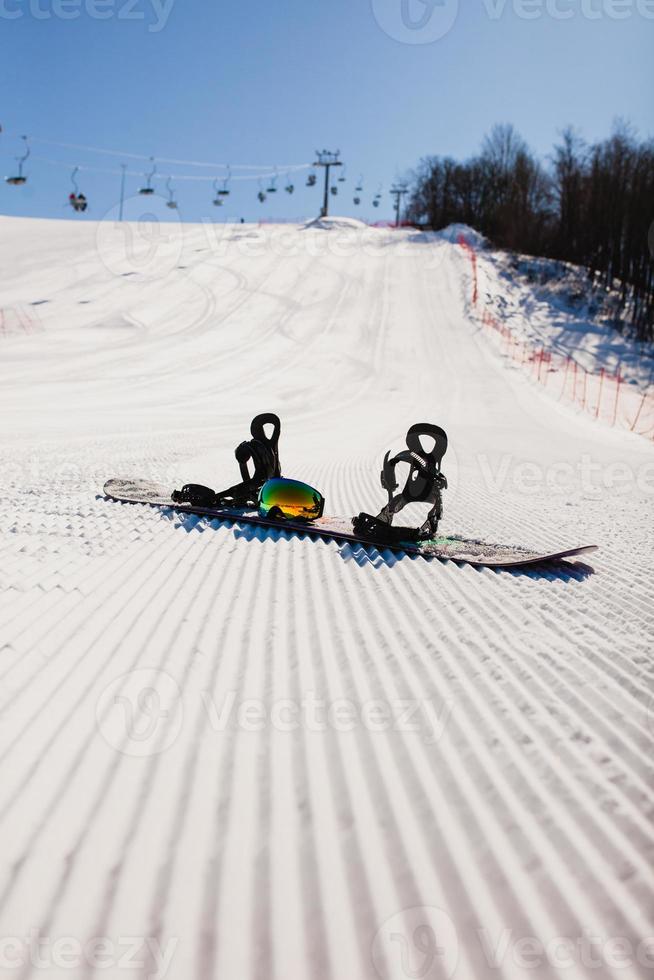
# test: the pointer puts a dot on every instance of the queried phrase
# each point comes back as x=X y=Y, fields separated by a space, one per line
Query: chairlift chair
x=311 y=180
x=217 y=201
x=18 y=179
x=224 y=190
x=148 y=189
x=78 y=202
x=76 y=199
x=171 y=202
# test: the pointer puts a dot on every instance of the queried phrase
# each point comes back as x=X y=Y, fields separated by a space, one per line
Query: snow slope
x=550 y=303
x=261 y=756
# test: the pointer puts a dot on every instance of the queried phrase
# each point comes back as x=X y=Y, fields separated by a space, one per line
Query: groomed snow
x=257 y=753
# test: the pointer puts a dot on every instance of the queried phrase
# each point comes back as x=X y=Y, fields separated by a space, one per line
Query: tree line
x=588 y=204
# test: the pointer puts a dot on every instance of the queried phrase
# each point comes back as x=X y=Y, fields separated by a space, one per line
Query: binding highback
x=261 y=451
x=423 y=485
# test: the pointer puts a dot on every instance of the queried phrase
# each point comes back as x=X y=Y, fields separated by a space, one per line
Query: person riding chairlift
x=78 y=202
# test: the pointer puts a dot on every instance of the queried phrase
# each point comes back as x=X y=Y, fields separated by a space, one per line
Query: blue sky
x=265 y=83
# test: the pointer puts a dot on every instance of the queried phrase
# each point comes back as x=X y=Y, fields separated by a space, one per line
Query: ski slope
x=226 y=753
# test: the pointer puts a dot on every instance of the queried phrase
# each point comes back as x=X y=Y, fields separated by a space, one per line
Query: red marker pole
x=599 y=395
x=618 y=382
x=565 y=377
x=640 y=409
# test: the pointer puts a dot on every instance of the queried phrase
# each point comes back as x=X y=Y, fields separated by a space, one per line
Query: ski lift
x=76 y=199
x=20 y=178
x=377 y=197
x=334 y=190
x=342 y=178
x=261 y=195
x=359 y=186
x=375 y=202
x=148 y=189
x=311 y=180
x=217 y=201
x=273 y=185
x=224 y=190
x=171 y=202
x=357 y=199
x=290 y=187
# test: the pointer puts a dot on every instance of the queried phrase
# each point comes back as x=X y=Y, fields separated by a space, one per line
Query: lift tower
x=398 y=193
x=327 y=159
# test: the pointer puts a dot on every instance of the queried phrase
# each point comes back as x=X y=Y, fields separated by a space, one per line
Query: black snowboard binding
x=258 y=460
x=424 y=485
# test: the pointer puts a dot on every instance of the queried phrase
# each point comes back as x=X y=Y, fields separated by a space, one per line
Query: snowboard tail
x=479 y=553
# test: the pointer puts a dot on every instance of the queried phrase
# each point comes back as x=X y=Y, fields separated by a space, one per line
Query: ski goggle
x=290 y=499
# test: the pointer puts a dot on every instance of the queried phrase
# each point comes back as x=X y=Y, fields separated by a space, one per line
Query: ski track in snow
x=524 y=802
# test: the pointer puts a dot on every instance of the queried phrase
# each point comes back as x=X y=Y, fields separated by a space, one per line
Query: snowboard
x=470 y=552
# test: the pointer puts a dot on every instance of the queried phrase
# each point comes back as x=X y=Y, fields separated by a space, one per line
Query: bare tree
x=593 y=206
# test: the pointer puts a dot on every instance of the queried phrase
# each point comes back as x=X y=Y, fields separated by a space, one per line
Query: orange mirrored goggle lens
x=290 y=499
